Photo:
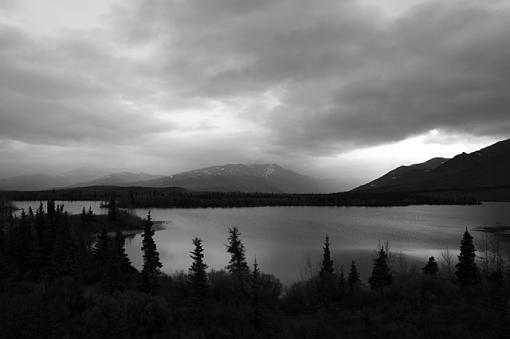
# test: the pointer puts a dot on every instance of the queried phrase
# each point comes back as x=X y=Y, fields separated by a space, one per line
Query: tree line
x=171 y=197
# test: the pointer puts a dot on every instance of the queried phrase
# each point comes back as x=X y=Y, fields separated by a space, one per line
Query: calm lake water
x=287 y=241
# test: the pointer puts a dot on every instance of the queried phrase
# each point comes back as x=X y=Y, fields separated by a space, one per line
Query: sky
x=341 y=89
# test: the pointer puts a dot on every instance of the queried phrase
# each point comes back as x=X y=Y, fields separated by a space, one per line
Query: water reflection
x=288 y=240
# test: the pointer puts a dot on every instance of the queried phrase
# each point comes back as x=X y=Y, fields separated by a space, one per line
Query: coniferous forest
x=68 y=276
x=150 y=197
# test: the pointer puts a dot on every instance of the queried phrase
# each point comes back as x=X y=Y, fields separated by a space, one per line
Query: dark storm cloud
x=447 y=68
x=57 y=92
x=347 y=76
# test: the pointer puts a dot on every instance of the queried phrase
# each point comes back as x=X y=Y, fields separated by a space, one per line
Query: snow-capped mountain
x=239 y=177
x=226 y=178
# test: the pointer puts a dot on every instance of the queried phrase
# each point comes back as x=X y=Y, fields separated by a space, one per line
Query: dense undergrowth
x=59 y=281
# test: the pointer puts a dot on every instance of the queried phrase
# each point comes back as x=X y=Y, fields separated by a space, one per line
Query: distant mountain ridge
x=403 y=174
x=484 y=173
x=45 y=181
x=118 y=179
x=77 y=178
x=265 y=178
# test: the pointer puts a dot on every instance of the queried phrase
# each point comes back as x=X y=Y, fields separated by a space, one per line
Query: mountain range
x=267 y=178
x=240 y=177
x=118 y=179
x=35 y=182
x=484 y=174
x=76 y=178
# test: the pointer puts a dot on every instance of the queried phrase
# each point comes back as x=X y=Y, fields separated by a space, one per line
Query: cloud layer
x=231 y=81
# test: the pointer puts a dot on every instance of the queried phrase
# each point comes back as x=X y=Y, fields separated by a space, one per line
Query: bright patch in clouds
x=57 y=14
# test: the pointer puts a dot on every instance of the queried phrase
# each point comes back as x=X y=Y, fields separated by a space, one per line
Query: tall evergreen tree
x=112 y=210
x=50 y=208
x=20 y=241
x=198 y=280
x=327 y=262
x=353 y=278
x=100 y=249
x=90 y=214
x=151 y=264
x=83 y=215
x=52 y=219
x=255 y=296
x=381 y=275
x=237 y=265
x=431 y=268
x=117 y=264
x=64 y=258
x=119 y=244
x=467 y=271
x=40 y=224
x=341 y=283
x=26 y=237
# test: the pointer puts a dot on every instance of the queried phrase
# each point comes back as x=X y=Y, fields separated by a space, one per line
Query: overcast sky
x=330 y=88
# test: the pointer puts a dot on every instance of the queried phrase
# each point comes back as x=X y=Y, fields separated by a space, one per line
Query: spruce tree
x=40 y=224
x=381 y=275
x=151 y=264
x=237 y=265
x=112 y=210
x=431 y=268
x=353 y=278
x=255 y=296
x=100 y=249
x=83 y=215
x=342 y=282
x=64 y=257
x=49 y=232
x=20 y=240
x=119 y=245
x=198 y=280
x=467 y=271
x=50 y=208
x=327 y=262
x=117 y=264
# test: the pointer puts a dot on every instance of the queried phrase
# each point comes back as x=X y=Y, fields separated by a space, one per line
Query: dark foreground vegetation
x=57 y=282
x=179 y=197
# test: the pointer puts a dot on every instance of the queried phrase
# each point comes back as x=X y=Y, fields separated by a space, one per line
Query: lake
x=287 y=241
